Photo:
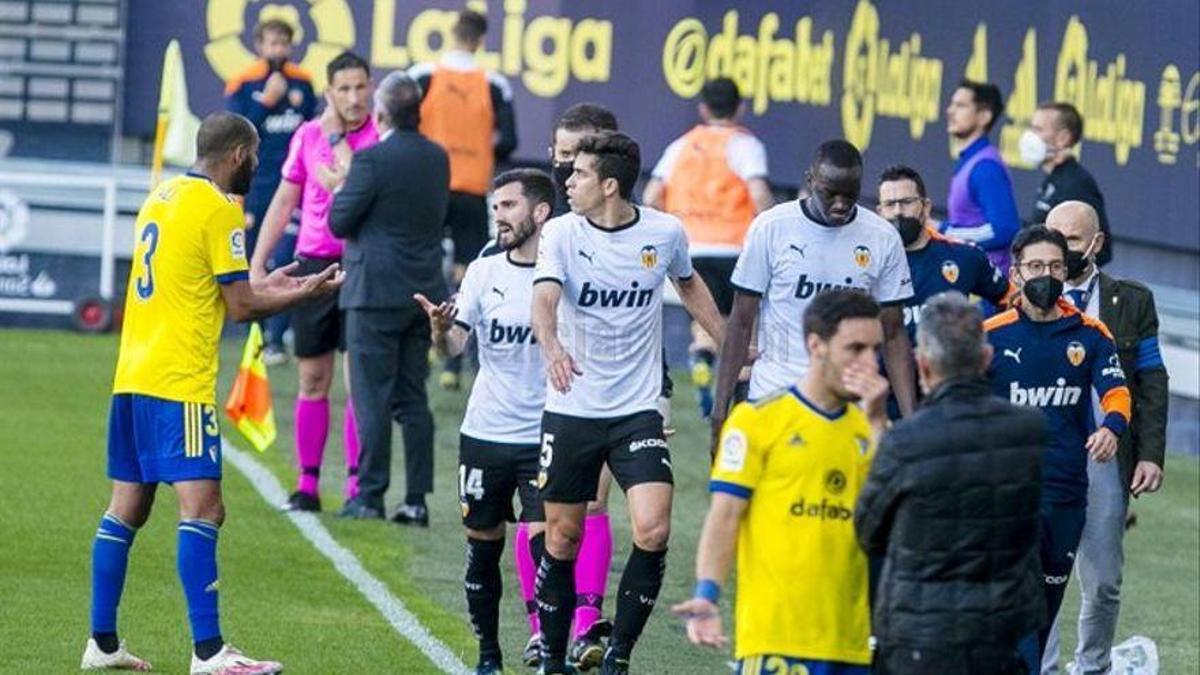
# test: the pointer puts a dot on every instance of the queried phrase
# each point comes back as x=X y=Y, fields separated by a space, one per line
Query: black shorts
x=467 y=221
x=488 y=475
x=575 y=449
x=716 y=272
x=318 y=326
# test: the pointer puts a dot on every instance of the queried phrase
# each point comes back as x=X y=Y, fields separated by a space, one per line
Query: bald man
x=1127 y=308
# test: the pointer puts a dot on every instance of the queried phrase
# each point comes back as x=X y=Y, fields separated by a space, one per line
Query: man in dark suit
x=1127 y=309
x=390 y=211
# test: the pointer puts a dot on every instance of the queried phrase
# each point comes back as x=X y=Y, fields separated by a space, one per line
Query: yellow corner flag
x=175 y=134
x=249 y=404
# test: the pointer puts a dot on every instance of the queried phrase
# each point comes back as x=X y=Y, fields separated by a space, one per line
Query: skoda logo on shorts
x=835 y=482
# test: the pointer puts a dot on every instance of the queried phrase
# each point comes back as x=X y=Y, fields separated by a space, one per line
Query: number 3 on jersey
x=145 y=278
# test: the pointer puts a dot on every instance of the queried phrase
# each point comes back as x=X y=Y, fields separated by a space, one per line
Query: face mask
x=909 y=228
x=1032 y=148
x=562 y=171
x=1043 y=292
x=275 y=65
x=1077 y=263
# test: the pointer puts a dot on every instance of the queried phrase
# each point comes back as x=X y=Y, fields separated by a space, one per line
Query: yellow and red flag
x=249 y=404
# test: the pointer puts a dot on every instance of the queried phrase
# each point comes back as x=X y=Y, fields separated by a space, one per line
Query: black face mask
x=562 y=171
x=909 y=228
x=275 y=65
x=1043 y=292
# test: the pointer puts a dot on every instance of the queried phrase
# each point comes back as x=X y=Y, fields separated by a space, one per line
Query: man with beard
x=317 y=163
x=937 y=263
x=189 y=268
x=793 y=252
x=499 y=439
x=1049 y=355
x=390 y=213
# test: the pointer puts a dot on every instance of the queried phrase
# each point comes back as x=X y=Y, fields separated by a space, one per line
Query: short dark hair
x=274 y=26
x=986 y=95
x=220 y=133
x=722 y=97
x=536 y=186
x=347 y=60
x=838 y=153
x=903 y=172
x=830 y=308
x=1036 y=234
x=400 y=98
x=470 y=26
x=1068 y=117
x=617 y=156
x=587 y=117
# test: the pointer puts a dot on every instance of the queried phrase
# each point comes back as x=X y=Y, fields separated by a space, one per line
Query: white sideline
x=371 y=588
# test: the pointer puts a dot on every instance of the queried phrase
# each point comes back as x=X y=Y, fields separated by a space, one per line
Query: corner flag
x=249 y=404
x=175 y=134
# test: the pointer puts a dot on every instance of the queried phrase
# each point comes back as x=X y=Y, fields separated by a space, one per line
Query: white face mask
x=1033 y=149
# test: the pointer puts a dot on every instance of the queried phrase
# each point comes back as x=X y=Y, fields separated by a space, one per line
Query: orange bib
x=712 y=201
x=457 y=114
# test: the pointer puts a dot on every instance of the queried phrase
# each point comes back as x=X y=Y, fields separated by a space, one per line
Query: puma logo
x=498 y=292
x=587 y=257
x=1016 y=356
x=798 y=249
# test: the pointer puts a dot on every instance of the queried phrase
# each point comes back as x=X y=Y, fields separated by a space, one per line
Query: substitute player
x=784 y=488
x=798 y=249
x=189 y=266
x=317 y=163
x=499 y=439
x=597 y=313
x=1049 y=355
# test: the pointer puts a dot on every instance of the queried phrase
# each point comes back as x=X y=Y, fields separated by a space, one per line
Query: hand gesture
x=332 y=176
x=274 y=89
x=1147 y=477
x=561 y=369
x=1102 y=445
x=703 y=622
x=870 y=386
x=441 y=316
x=327 y=281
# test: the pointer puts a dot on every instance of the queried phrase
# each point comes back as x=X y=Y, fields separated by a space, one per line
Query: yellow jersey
x=188 y=239
x=801 y=577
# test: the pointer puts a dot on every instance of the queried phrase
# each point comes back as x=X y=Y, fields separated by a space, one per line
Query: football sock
x=556 y=603
x=312 y=429
x=110 y=560
x=526 y=573
x=591 y=571
x=640 y=584
x=350 y=441
x=484 y=587
x=197 y=562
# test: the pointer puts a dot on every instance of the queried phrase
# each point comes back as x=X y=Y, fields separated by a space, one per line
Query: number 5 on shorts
x=470 y=482
x=544 y=459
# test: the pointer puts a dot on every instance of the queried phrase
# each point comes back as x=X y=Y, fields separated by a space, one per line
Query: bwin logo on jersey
x=649 y=257
x=1076 y=353
x=1042 y=397
x=806 y=288
x=590 y=296
x=862 y=256
x=498 y=332
x=950 y=271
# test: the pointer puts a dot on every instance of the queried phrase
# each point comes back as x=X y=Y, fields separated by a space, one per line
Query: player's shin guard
x=352 y=449
x=312 y=430
x=556 y=604
x=110 y=560
x=197 y=563
x=636 y=596
x=484 y=587
x=526 y=564
x=591 y=571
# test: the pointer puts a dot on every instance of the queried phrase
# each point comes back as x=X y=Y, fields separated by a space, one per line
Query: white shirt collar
x=1083 y=285
x=386 y=135
x=458 y=59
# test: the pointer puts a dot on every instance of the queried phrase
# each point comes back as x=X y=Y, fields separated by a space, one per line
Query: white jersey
x=789 y=257
x=495 y=301
x=610 y=314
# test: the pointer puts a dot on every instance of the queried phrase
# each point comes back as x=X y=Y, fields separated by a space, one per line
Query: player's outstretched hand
x=1102 y=445
x=324 y=282
x=561 y=369
x=703 y=622
x=441 y=316
x=277 y=280
x=870 y=386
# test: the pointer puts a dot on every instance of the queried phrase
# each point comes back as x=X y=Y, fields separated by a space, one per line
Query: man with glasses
x=1049 y=355
x=936 y=262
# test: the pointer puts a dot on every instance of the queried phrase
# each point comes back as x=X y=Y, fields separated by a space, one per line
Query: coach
x=952 y=504
x=390 y=211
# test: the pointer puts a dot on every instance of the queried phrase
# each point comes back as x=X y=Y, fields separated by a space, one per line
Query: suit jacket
x=391 y=211
x=1127 y=308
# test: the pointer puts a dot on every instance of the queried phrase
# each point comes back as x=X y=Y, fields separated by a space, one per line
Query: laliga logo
x=14 y=220
x=226 y=21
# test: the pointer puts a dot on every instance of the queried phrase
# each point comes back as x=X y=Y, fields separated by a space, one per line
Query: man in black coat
x=951 y=503
x=390 y=211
